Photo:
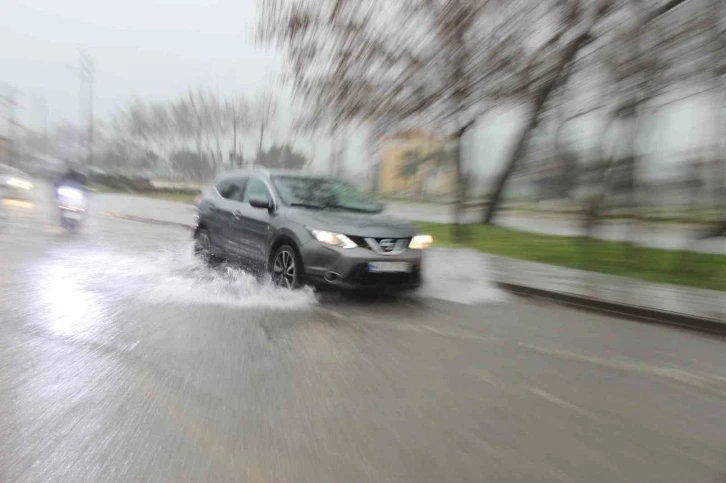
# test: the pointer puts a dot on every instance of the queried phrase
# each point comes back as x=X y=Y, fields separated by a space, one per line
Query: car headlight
x=19 y=183
x=334 y=239
x=419 y=242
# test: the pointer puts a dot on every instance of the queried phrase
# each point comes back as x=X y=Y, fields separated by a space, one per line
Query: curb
x=124 y=216
x=641 y=314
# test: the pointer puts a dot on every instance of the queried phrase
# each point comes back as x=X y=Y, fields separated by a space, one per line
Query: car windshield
x=323 y=193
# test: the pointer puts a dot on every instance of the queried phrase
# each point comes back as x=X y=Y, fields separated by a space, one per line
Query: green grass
x=666 y=266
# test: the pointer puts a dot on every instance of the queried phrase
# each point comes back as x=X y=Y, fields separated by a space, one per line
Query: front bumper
x=347 y=267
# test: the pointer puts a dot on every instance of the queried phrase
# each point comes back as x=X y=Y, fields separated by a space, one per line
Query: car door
x=251 y=227
x=210 y=212
x=222 y=210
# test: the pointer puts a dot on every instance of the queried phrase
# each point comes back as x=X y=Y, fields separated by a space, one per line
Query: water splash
x=461 y=276
x=172 y=276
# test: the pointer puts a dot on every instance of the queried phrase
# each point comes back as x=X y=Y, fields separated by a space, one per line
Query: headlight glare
x=70 y=193
x=334 y=239
x=419 y=242
x=19 y=183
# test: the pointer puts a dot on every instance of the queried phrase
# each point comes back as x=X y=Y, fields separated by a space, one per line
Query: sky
x=154 y=50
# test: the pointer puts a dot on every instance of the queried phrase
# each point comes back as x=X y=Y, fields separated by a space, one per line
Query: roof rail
x=246 y=169
x=261 y=169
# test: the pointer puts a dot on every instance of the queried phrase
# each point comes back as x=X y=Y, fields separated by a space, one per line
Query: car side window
x=231 y=189
x=256 y=187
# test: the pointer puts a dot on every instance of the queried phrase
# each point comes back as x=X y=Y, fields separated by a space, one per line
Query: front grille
x=388 y=246
x=360 y=241
x=399 y=244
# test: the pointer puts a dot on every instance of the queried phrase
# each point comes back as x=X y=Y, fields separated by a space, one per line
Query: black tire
x=69 y=226
x=286 y=268
x=203 y=246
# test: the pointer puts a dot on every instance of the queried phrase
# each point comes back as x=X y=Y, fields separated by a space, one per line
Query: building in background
x=416 y=164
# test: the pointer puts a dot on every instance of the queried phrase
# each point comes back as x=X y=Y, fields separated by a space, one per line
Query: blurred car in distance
x=308 y=229
x=14 y=183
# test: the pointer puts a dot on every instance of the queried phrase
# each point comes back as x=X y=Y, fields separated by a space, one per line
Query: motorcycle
x=72 y=204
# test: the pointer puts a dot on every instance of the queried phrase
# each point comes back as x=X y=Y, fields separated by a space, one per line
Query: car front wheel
x=203 y=246
x=286 y=268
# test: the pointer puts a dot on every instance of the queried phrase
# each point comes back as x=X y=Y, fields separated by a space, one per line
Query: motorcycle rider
x=73 y=179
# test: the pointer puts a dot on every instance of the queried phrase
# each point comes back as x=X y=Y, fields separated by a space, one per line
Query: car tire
x=286 y=268
x=203 y=246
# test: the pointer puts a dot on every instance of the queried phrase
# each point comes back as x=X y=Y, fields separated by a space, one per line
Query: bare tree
x=239 y=116
x=663 y=49
x=210 y=124
x=416 y=62
x=263 y=115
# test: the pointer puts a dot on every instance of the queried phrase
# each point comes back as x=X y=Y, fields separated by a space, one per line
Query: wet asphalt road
x=122 y=359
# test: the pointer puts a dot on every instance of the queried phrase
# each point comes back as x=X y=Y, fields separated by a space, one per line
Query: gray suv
x=307 y=229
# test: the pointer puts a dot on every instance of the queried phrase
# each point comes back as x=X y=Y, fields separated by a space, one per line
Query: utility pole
x=41 y=112
x=86 y=76
x=44 y=107
x=10 y=106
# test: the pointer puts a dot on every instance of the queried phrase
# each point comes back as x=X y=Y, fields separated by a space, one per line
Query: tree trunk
x=370 y=164
x=630 y=166
x=591 y=210
x=199 y=157
x=540 y=100
x=234 y=144
x=262 y=137
x=568 y=54
x=459 y=190
x=333 y=154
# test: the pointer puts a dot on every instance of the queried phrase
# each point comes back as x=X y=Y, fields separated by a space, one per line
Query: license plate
x=72 y=215
x=389 y=267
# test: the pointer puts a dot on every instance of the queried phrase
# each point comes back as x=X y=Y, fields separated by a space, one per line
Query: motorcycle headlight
x=334 y=239
x=70 y=193
x=419 y=242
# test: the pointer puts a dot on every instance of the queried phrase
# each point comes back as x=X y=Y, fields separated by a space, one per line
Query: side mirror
x=260 y=202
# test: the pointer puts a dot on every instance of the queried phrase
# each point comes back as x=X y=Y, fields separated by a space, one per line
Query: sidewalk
x=655 y=302
x=143 y=209
x=475 y=276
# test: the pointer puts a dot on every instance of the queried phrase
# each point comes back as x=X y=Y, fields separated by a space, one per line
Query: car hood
x=374 y=225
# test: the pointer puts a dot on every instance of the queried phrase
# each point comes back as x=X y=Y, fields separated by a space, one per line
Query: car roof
x=268 y=173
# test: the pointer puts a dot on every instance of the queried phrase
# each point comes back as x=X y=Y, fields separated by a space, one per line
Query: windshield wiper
x=354 y=209
x=307 y=205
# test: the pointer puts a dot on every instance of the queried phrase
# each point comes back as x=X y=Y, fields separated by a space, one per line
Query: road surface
x=122 y=359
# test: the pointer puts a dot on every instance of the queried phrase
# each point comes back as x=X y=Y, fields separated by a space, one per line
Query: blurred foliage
x=442 y=64
x=281 y=157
